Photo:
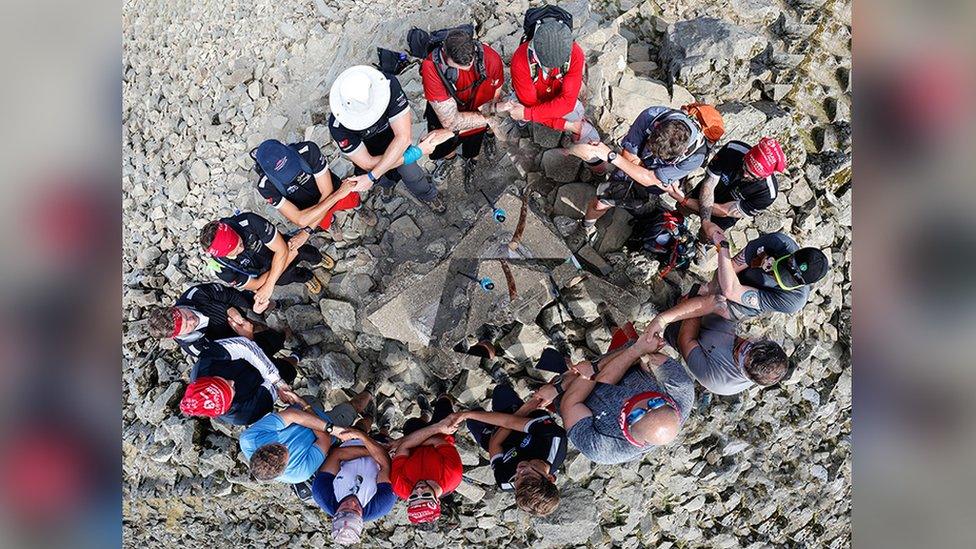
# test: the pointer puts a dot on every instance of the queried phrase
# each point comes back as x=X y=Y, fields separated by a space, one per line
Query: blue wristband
x=370 y=176
x=412 y=154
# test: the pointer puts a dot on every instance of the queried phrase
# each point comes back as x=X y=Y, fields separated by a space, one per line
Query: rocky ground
x=206 y=81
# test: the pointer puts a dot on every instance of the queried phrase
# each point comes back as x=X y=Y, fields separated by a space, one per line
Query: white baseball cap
x=359 y=97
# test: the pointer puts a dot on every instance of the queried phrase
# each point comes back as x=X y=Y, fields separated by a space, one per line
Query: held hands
x=298 y=240
x=515 y=110
x=347 y=433
x=583 y=369
x=546 y=394
x=359 y=183
x=452 y=423
x=262 y=298
x=241 y=326
x=650 y=341
x=713 y=232
x=586 y=151
x=433 y=139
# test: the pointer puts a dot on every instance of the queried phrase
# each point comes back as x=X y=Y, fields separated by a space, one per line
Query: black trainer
x=303 y=490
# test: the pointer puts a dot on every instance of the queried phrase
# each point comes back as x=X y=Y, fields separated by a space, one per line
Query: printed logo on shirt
x=270 y=200
x=526 y=441
x=344 y=143
x=281 y=163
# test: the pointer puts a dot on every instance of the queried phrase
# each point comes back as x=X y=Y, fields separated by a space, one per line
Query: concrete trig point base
x=522 y=256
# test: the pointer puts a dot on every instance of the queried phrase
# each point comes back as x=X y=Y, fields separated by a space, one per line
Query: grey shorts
x=343 y=415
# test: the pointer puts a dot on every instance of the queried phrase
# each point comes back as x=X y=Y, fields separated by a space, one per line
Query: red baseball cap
x=207 y=397
x=424 y=510
x=766 y=158
x=224 y=242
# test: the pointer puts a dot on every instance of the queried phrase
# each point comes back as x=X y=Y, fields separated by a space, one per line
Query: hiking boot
x=499 y=375
x=469 y=166
x=367 y=218
x=304 y=491
x=384 y=417
x=441 y=168
x=589 y=231
x=489 y=146
x=387 y=193
x=560 y=342
x=425 y=408
x=313 y=286
x=328 y=262
x=437 y=205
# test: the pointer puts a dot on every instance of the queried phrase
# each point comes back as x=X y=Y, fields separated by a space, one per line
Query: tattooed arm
x=727 y=275
x=729 y=209
x=452 y=119
x=706 y=199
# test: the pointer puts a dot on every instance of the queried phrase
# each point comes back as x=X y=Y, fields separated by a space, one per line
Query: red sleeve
x=434 y=89
x=522 y=78
x=563 y=104
x=453 y=469
x=400 y=483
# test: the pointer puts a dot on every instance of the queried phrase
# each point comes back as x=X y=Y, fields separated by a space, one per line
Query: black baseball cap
x=800 y=268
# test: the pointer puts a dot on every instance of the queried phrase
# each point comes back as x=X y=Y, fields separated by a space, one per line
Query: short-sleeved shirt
x=544 y=439
x=634 y=143
x=303 y=192
x=772 y=298
x=752 y=196
x=599 y=436
x=377 y=137
x=257 y=232
x=304 y=457
x=212 y=300
x=469 y=98
x=713 y=362
x=441 y=464
x=251 y=400
x=380 y=505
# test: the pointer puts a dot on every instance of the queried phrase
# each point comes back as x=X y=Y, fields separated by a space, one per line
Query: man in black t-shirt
x=248 y=252
x=370 y=122
x=525 y=443
x=239 y=390
x=296 y=180
x=739 y=182
x=209 y=312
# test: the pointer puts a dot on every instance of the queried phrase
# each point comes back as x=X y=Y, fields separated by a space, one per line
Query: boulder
x=572 y=522
x=711 y=57
x=560 y=166
x=338 y=314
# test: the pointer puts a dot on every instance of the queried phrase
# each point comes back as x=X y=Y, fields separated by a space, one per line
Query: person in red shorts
x=296 y=180
x=426 y=466
x=547 y=75
x=460 y=76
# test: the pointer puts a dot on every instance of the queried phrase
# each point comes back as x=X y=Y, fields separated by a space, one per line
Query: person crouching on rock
x=209 y=312
x=663 y=146
x=353 y=485
x=290 y=446
x=370 y=123
x=460 y=76
x=771 y=274
x=247 y=251
x=296 y=180
x=426 y=463
x=525 y=443
x=241 y=386
x=547 y=76
x=626 y=408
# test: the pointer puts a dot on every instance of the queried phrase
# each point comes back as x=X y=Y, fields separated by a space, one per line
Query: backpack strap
x=440 y=64
x=693 y=147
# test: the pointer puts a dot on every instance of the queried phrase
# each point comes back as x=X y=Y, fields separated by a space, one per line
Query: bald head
x=657 y=427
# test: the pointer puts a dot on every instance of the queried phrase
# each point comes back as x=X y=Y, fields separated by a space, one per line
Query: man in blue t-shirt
x=353 y=485
x=663 y=146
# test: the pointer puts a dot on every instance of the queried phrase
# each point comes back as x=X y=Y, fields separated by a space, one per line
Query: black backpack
x=664 y=235
x=535 y=16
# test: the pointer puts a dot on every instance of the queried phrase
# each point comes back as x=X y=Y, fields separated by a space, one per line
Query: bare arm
x=688 y=336
x=279 y=262
x=573 y=407
x=615 y=366
x=303 y=418
x=638 y=173
x=420 y=437
x=345 y=453
x=311 y=217
x=706 y=199
x=393 y=156
x=452 y=119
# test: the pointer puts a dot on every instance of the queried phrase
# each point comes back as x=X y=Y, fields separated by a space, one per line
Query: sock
x=589 y=222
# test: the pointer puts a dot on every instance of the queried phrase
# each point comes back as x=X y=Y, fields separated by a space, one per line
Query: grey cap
x=553 y=43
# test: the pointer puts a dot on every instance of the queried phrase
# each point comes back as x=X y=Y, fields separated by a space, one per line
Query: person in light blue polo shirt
x=289 y=446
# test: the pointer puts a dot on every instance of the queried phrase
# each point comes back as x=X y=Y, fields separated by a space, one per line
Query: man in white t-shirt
x=353 y=485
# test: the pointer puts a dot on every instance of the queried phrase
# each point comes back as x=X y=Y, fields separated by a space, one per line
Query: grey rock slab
x=572 y=198
x=560 y=166
x=338 y=314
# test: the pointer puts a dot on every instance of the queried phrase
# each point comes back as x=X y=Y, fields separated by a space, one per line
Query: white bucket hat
x=359 y=97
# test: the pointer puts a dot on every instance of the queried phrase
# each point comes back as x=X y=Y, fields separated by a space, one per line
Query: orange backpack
x=708 y=117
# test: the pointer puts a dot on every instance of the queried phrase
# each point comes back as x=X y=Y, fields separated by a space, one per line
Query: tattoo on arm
x=750 y=298
x=707 y=198
x=452 y=119
x=740 y=258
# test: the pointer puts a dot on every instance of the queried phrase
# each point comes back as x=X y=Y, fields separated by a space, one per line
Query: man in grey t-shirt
x=722 y=362
x=626 y=409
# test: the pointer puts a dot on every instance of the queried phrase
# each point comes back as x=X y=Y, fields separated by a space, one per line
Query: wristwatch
x=611 y=156
x=328 y=427
x=308 y=230
x=723 y=244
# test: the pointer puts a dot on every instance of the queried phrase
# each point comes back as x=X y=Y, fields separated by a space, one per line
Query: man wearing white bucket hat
x=370 y=122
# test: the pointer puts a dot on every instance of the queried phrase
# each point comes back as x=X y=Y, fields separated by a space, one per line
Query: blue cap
x=280 y=163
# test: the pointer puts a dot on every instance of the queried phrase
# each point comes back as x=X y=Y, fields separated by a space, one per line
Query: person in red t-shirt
x=426 y=464
x=460 y=77
x=547 y=75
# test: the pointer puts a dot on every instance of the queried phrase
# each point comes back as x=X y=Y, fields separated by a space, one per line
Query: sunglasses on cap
x=652 y=404
x=789 y=262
